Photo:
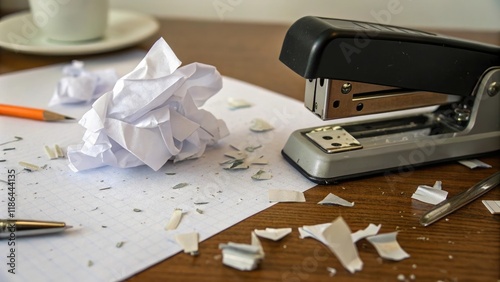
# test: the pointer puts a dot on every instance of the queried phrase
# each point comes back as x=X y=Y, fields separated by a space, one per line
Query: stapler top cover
x=386 y=55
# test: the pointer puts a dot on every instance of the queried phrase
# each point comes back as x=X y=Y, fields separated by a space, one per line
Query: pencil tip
x=69 y=118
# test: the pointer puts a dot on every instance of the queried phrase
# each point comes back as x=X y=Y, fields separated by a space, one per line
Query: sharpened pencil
x=31 y=113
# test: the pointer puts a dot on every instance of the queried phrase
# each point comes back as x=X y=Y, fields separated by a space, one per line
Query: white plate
x=126 y=28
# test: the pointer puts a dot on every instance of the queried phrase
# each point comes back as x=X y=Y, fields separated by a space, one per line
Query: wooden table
x=463 y=247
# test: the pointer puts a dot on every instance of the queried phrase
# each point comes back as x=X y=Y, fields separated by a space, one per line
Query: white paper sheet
x=492 y=206
x=57 y=193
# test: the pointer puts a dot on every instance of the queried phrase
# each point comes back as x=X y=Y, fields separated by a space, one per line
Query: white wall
x=453 y=14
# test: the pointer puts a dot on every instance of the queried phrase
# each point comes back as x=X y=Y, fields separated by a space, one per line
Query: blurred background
x=480 y=15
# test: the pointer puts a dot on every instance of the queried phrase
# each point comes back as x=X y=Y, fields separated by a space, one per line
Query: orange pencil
x=31 y=113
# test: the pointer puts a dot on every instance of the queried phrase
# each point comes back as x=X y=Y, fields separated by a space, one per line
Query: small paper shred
x=260 y=125
x=472 y=164
x=274 y=234
x=188 y=242
x=50 y=154
x=174 y=220
x=237 y=155
x=199 y=211
x=387 y=246
x=332 y=199
x=180 y=185
x=235 y=104
x=276 y=195
x=252 y=148
x=59 y=151
x=29 y=166
x=262 y=175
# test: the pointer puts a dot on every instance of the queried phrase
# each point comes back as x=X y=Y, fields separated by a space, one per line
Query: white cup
x=70 y=20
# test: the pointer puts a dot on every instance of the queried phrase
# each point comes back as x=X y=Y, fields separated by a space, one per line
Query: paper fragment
x=237 y=103
x=175 y=219
x=259 y=161
x=371 y=230
x=492 y=206
x=180 y=185
x=277 y=195
x=234 y=165
x=262 y=175
x=252 y=148
x=78 y=85
x=188 y=242
x=244 y=257
x=339 y=240
x=29 y=166
x=332 y=199
x=260 y=125
x=431 y=195
x=129 y=126
x=274 y=234
x=59 y=151
x=387 y=246
x=331 y=271
x=472 y=164
x=50 y=153
x=237 y=155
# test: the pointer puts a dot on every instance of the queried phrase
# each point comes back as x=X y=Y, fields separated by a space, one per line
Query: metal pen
x=11 y=228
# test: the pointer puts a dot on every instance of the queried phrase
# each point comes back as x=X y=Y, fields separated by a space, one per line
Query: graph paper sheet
x=109 y=205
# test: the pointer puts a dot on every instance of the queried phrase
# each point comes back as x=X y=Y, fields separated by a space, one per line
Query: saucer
x=125 y=28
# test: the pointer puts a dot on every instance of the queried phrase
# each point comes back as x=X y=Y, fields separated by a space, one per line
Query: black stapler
x=354 y=68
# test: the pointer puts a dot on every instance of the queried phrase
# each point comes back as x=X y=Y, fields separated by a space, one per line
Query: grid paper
x=102 y=218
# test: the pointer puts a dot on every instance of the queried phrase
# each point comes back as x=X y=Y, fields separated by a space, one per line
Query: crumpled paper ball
x=151 y=116
x=78 y=85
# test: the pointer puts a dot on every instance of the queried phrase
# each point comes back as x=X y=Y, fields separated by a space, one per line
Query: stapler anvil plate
x=357 y=68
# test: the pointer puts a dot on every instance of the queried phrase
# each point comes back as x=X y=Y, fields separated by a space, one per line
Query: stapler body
x=429 y=98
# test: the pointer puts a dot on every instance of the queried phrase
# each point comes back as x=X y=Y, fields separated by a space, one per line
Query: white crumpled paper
x=78 y=85
x=151 y=115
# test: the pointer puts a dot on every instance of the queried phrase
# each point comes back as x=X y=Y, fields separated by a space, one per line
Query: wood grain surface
x=463 y=247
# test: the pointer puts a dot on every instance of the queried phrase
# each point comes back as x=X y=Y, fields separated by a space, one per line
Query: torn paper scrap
x=431 y=195
x=332 y=199
x=274 y=234
x=78 y=85
x=262 y=175
x=235 y=103
x=188 y=242
x=242 y=256
x=314 y=231
x=371 y=230
x=260 y=125
x=277 y=195
x=472 y=164
x=338 y=237
x=151 y=116
x=387 y=246
x=492 y=206
x=175 y=219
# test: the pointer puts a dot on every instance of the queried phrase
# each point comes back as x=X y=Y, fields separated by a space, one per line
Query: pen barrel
x=10 y=228
x=21 y=112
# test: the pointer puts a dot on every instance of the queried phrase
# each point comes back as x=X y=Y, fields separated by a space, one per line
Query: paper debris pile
x=151 y=116
x=78 y=85
x=338 y=238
